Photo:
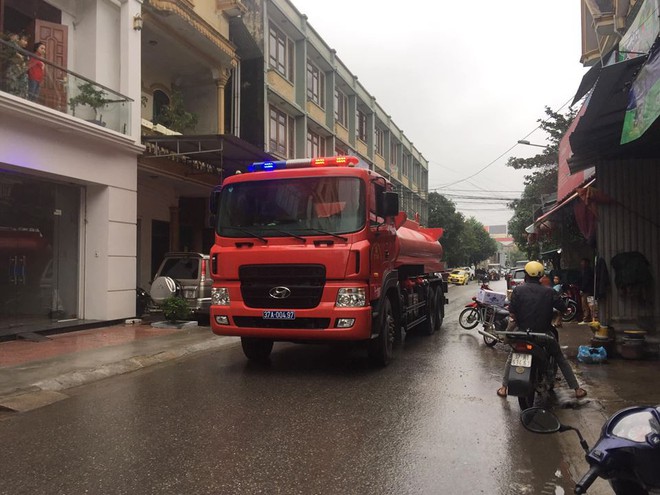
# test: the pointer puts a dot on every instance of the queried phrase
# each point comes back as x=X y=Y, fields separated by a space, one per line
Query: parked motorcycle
x=473 y=314
x=627 y=453
x=570 y=294
x=495 y=322
x=571 y=307
x=533 y=369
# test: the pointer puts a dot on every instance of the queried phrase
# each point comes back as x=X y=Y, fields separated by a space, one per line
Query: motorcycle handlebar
x=587 y=480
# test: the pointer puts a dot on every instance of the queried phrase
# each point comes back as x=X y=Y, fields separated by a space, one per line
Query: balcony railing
x=62 y=90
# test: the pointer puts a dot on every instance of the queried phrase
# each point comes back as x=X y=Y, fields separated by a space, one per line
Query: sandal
x=501 y=392
x=580 y=393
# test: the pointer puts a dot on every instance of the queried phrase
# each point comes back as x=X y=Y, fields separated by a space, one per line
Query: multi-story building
x=262 y=84
x=68 y=189
x=307 y=102
x=146 y=106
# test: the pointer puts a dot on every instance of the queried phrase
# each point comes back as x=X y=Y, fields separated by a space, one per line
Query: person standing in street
x=586 y=287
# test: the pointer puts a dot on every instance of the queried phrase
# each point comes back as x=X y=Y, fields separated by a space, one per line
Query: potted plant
x=175 y=309
x=92 y=97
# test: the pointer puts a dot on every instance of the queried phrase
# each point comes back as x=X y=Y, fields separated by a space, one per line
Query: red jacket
x=35 y=70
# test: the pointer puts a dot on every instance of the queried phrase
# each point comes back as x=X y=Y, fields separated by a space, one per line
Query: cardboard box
x=491 y=297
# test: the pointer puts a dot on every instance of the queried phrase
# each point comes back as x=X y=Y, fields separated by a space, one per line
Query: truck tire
x=256 y=349
x=439 y=308
x=431 y=324
x=381 y=348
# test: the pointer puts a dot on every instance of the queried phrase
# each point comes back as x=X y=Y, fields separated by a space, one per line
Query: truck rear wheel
x=256 y=349
x=381 y=348
x=439 y=308
x=431 y=323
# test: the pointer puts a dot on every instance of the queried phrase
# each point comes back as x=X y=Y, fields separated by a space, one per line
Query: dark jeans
x=33 y=89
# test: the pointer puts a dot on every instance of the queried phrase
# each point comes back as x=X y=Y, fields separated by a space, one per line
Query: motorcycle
x=474 y=312
x=533 y=369
x=495 y=322
x=570 y=295
x=627 y=453
x=571 y=307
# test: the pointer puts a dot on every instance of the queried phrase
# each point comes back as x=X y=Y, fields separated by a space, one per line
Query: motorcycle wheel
x=570 y=312
x=489 y=341
x=469 y=318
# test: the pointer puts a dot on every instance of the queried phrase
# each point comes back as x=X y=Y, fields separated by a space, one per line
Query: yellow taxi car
x=458 y=277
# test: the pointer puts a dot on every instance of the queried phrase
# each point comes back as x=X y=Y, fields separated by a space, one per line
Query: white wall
x=108 y=170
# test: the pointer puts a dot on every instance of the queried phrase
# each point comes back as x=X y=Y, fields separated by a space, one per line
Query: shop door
x=39 y=251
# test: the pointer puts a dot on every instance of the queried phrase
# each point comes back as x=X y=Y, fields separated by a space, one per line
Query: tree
x=476 y=241
x=442 y=213
x=543 y=178
x=465 y=241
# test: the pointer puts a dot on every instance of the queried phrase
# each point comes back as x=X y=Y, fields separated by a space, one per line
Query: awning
x=547 y=216
x=598 y=132
x=588 y=81
x=592 y=75
x=224 y=153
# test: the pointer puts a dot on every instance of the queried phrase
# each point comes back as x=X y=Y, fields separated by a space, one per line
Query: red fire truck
x=310 y=250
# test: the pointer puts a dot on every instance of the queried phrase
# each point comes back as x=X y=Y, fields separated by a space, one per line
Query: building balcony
x=62 y=90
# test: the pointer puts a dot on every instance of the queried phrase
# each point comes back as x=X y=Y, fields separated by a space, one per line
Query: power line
x=504 y=153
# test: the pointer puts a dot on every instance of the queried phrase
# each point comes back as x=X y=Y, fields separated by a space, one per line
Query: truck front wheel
x=256 y=349
x=380 y=348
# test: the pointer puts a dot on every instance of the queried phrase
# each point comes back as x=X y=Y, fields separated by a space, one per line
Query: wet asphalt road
x=317 y=420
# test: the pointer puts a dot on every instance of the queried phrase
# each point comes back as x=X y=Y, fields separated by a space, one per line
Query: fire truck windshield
x=307 y=206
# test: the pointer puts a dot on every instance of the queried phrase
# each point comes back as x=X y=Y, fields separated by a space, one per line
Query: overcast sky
x=464 y=80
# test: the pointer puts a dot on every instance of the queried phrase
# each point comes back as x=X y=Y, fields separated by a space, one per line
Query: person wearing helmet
x=532 y=306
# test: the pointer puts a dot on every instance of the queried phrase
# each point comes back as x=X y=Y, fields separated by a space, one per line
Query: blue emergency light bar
x=331 y=161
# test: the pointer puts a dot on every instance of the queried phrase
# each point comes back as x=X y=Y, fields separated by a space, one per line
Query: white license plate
x=279 y=315
x=522 y=360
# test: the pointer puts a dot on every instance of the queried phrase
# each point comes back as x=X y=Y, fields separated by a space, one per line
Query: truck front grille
x=304 y=282
x=298 y=323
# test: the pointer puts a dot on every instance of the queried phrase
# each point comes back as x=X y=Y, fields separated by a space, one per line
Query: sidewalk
x=33 y=374
x=612 y=386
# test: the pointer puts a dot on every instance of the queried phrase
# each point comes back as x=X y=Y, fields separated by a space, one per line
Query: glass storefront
x=39 y=250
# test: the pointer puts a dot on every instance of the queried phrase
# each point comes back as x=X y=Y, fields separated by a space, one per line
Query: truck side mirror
x=389 y=204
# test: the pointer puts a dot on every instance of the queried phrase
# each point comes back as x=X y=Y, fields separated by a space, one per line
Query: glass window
x=341 y=108
x=380 y=141
x=302 y=206
x=314 y=144
x=280 y=52
x=281 y=132
x=315 y=85
x=362 y=126
x=394 y=157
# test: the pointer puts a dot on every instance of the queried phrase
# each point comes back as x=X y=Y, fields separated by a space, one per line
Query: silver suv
x=186 y=275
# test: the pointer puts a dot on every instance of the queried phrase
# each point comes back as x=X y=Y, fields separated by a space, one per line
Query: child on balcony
x=36 y=70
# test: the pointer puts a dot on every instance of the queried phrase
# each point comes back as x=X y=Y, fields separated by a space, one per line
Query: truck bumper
x=320 y=323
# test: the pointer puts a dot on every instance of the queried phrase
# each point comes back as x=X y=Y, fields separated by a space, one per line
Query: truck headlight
x=220 y=296
x=351 y=297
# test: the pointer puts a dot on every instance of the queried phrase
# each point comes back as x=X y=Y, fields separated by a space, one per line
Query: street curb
x=48 y=391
